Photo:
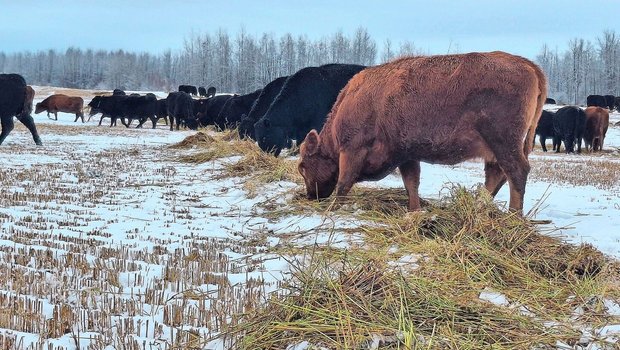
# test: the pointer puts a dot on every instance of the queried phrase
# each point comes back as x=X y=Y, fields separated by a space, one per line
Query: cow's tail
x=540 y=101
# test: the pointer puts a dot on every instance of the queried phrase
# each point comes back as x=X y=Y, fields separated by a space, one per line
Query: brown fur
x=436 y=109
x=62 y=103
x=597 y=122
x=28 y=101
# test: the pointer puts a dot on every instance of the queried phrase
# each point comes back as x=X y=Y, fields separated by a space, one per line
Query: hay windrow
x=200 y=139
x=463 y=244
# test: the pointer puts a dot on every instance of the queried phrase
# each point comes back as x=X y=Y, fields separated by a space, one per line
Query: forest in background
x=243 y=62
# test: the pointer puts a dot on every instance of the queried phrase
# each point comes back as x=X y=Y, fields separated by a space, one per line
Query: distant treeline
x=585 y=68
x=243 y=63
x=232 y=64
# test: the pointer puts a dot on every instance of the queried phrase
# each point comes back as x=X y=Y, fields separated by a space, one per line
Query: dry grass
x=595 y=171
x=416 y=283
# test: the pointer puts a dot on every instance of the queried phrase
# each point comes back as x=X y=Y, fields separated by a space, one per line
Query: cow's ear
x=312 y=142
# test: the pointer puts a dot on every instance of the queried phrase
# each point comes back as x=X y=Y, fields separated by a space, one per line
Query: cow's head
x=94 y=105
x=319 y=171
x=39 y=108
x=271 y=138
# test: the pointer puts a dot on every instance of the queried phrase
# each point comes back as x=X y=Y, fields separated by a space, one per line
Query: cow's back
x=439 y=107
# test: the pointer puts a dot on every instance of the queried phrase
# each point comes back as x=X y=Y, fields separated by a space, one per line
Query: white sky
x=435 y=26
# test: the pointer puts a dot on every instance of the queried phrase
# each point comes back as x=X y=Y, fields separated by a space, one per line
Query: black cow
x=617 y=103
x=202 y=91
x=190 y=89
x=108 y=106
x=232 y=111
x=208 y=112
x=16 y=101
x=180 y=108
x=545 y=129
x=609 y=101
x=162 y=110
x=302 y=105
x=568 y=125
x=118 y=92
x=211 y=91
x=140 y=108
x=596 y=100
x=260 y=107
x=549 y=101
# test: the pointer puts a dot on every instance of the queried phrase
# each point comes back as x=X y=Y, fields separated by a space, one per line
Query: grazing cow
x=597 y=122
x=544 y=129
x=62 y=103
x=260 y=107
x=236 y=106
x=568 y=125
x=302 y=105
x=208 y=112
x=202 y=91
x=211 y=91
x=609 y=101
x=596 y=100
x=16 y=101
x=118 y=92
x=429 y=109
x=549 y=101
x=180 y=108
x=189 y=89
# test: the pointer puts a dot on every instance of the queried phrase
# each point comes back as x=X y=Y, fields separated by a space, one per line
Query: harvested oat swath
x=420 y=279
x=200 y=139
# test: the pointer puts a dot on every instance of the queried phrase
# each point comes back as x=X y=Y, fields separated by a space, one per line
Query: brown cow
x=61 y=103
x=597 y=122
x=436 y=109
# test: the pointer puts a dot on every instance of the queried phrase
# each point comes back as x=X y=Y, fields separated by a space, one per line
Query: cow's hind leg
x=7 y=126
x=410 y=172
x=29 y=123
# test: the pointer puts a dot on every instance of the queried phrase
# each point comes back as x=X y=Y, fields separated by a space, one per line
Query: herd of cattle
x=362 y=122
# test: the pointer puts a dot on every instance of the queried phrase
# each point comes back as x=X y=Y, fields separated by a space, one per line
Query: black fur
x=545 y=129
x=13 y=103
x=260 y=107
x=596 y=100
x=302 y=105
x=190 y=89
x=230 y=115
x=569 y=124
x=549 y=101
x=180 y=108
x=609 y=101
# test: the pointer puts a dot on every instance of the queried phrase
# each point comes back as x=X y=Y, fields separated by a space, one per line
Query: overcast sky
x=434 y=26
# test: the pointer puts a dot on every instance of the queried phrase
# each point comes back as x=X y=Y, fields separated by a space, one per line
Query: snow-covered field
x=105 y=232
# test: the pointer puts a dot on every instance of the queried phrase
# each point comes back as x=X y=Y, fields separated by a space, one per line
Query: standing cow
x=544 y=129
x=597 y=122
x=180 y=108
x=429 y=109
x=302 y=105
x=568 y=125
x=596 y=101
x=16 y=101
x=189 y=89
x=609 y=101
x=232 y=111
x=202 y=92
x=260 y=107
x=62 y=103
